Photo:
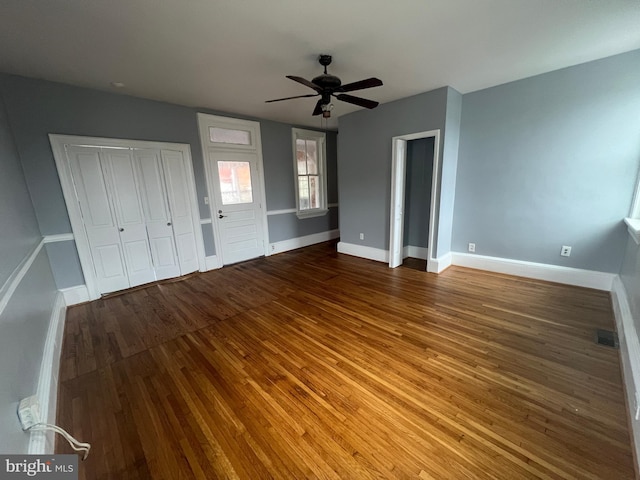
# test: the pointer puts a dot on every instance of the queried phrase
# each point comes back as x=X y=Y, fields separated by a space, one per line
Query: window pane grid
x=308 y=165
x=308 y=179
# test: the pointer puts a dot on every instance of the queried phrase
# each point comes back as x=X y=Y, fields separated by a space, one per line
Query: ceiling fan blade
x=362 y=84
x=318 y=109
x=304 y=81
x=290 y=98
x=362 y=102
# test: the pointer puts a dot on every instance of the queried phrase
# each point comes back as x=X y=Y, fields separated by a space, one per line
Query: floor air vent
x=607 y=337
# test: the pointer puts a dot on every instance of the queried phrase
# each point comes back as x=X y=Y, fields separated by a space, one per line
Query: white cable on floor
x=75 y=444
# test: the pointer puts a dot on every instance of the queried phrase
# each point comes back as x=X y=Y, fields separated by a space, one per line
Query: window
x=309 y=155
x=235 y=182
x=227 y=135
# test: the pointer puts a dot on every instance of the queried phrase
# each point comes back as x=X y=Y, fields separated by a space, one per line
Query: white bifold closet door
x=134 y=203
x=175 y=173
x=131 y=222
x=157 y=213
x=90 y=180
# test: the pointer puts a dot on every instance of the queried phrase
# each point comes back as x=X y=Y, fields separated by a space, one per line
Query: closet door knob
x=121 y=229
x=168 y=224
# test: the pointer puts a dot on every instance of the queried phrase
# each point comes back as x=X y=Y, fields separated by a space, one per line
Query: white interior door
x=131 y=222
x=156 y=212
x=98 y=217
x=397 y=202
x=238 y=206
x=175 y=173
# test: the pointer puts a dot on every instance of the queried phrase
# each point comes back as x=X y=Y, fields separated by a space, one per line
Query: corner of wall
x=453 y=116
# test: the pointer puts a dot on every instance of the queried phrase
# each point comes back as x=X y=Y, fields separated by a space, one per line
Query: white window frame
x=321 y=142
x=633 y=220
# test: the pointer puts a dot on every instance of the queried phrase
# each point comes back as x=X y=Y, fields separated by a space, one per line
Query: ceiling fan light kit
x=327 y=85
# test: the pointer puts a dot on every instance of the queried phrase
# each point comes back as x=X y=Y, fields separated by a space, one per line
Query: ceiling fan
x=327 y=85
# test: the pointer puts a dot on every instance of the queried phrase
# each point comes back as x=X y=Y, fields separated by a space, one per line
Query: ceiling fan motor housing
x=327 y=81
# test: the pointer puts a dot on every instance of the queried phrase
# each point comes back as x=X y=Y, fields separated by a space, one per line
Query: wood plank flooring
x=313 y=364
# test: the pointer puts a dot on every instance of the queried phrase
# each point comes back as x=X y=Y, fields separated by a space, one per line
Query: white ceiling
x=232 y=55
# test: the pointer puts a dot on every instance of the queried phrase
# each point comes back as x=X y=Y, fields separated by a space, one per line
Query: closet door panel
x=156 y=208
x=132 y=227
x=101 y=227
x=178 y=193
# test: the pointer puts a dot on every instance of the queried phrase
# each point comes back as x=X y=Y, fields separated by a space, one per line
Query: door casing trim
x=398 y=167
x=206 y=120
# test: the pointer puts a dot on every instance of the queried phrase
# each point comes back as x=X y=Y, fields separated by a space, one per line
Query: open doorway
x=413 y=164
x=417 y=203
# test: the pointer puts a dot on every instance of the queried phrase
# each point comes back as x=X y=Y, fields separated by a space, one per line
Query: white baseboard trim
x=212 y=263
x=371 y=253
x=439 y=264
x=299 y=242
x=629 y=356
x=43 y=443
x=540 y=271
x=75 y=295
x=415 y=252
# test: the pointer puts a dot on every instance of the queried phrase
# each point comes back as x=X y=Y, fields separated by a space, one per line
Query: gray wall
x=277 y=153
x=549 y=161
x=19 y=232
x=286 y=226
x=24 y=321
x=417 y=198
x=364 y=169
x=36 y=108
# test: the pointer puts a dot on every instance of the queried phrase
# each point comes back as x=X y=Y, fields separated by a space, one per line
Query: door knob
x=168 y=224
x=221 y=216
x=121 y=229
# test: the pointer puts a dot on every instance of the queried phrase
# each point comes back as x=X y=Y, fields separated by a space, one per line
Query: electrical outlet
x=472 y=247
x=29 y=412
x=206 y=200
x=273 y=247
x=362 y=236
x=565 y=251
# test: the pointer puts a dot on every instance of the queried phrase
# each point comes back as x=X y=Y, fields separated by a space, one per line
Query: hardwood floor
x=312 y=364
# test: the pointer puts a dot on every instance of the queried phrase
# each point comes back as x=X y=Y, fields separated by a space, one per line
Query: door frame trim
x=206 y=120
x=58 y=143
x=398 y=165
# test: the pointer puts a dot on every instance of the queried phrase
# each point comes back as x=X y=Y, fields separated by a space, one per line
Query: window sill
x=311 y=213
x=633 y=226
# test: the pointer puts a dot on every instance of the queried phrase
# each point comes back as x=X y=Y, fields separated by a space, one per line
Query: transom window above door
x=230 y=136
